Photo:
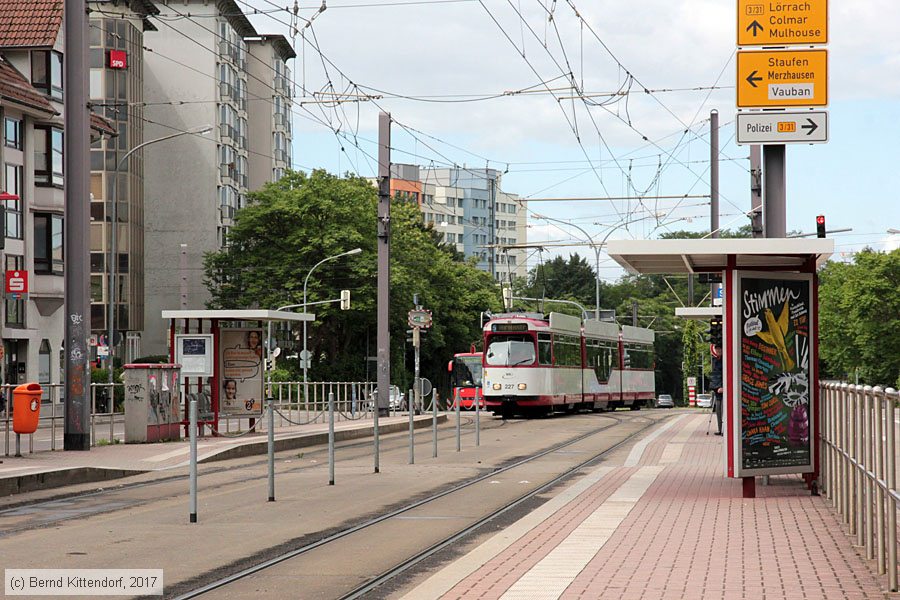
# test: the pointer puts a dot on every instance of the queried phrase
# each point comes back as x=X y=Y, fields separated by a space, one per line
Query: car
x=396 y=399
x=665 y=401
x=704 y=400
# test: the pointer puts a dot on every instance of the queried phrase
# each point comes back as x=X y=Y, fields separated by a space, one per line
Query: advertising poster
x=241 y=360
x=774 y=350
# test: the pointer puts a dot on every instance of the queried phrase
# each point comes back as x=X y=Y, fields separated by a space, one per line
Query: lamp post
x=305 y=281
x=114 y=231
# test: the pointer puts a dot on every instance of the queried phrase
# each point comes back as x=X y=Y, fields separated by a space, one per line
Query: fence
x=859 y=449
x=353 y=401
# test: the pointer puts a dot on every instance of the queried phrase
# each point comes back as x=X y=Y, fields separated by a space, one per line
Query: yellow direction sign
x=778 y=78
x=773 y=23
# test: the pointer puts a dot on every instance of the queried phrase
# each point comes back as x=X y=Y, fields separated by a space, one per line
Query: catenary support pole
x=714 y=173
x=756 y=199
x=384 y=272
x=270 y=425
x=330 y=438
x=193 y=460
x=77 y=228
x=774 y=191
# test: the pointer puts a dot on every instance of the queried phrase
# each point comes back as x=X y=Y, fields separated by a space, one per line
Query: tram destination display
x=774 y=350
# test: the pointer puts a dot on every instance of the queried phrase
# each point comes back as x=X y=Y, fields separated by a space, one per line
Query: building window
x=48 y=243
x=44 y=366
x=47 y=72
x=48 y=156
x=14 y=185
x=15 y=308
x=12 y=129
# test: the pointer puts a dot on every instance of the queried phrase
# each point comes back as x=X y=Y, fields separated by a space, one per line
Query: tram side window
x=601 y=357
x=545 y=349
x=567 y=351
x=639 y=357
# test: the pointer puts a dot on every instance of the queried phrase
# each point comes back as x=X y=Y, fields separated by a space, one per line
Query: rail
x=859 y=470
x=353 y=402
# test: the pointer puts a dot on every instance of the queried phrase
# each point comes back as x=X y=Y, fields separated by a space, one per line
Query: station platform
x=55 y=469
x=659 y=520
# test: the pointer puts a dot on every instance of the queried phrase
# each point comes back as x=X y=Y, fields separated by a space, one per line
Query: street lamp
x=305 y=281
x=114 y=226
x=597 y=248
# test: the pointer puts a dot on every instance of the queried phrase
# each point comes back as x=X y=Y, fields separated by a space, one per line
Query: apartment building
x=32 y=91
x=470 y=209
x=212 y=69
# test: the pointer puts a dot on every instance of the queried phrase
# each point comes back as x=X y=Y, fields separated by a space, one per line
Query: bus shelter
x=770 y=343
x=222 y=356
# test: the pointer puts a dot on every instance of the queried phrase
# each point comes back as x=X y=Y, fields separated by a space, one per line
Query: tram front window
x=467 y=372
x=510 y=351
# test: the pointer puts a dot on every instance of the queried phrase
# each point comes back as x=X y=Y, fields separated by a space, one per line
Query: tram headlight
x=497 y=386
x=523 y=386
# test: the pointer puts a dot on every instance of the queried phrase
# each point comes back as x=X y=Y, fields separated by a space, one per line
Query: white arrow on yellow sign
x=782 y=78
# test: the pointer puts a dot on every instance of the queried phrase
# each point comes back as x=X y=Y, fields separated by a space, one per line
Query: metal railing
x=859 y=469
x=52 y=418
x=354 y=400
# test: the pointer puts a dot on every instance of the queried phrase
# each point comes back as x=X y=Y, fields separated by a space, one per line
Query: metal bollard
x=412 y=441
x=858 y=483
x=879 y=477
x=18 y=444
x=477 y=420
x=458 y=423
x=892 y=486
x=330 y=438
x=434 y=425
x=375 y=432
x=870 y=488
x=193 y=467
x=271 y=434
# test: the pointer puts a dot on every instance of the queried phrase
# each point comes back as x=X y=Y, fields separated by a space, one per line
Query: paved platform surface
x=661 y=521
x=69 y=468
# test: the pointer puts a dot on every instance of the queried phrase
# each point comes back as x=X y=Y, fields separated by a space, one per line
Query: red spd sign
x=17 y=282
x=118 y=59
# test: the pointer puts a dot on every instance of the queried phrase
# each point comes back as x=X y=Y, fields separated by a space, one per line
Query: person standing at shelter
x=715 y=384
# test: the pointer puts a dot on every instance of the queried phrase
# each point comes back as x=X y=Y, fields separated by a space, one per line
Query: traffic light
x=820 y=226
x=715 y=332
x=345 y=299
x=507 y=298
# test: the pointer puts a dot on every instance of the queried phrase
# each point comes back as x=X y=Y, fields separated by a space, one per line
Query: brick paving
x=689 y=535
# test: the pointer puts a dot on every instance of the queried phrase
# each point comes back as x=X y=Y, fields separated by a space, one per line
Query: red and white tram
x=535 y=364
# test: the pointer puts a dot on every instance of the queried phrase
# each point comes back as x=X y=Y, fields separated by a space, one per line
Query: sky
x=479 y=83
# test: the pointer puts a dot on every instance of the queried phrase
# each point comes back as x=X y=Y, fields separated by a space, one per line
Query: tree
x=562 y=279
x=294 y=223
x=859 y=311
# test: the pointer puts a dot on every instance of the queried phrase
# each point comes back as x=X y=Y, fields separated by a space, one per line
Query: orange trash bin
x=26 y=407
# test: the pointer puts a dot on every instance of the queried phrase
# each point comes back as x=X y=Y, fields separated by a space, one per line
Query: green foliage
x=292 y=224
x=859 y=316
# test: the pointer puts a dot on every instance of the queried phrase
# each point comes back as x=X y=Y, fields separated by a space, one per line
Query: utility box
x=152 y=403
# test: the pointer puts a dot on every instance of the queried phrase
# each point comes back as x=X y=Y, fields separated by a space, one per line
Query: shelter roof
x=239 y=315
x=711 y=255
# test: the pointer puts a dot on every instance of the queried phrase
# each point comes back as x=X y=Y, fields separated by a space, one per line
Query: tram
x=465 y=380
x=536 y=364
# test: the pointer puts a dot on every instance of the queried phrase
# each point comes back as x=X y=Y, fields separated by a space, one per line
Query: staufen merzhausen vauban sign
x=780 y=78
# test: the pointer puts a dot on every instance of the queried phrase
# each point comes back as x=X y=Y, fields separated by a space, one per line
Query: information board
x=773 y=380
x=194 y=352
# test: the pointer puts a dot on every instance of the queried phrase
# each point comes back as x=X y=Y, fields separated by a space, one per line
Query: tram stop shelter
x=770 y=343
x=222 y=356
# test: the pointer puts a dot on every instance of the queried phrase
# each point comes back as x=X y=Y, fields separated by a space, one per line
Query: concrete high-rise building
x=472 y=212
x=210 y=69
x=117 y=91
x=32 y=171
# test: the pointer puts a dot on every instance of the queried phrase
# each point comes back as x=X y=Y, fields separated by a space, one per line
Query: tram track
x=62 y=507
x=308 y=547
